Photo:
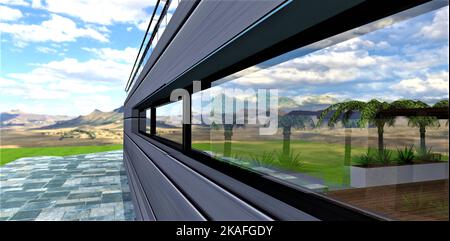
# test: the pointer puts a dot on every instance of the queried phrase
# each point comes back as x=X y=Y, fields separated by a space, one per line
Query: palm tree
x=228 y=133
x=422 y=122
x=442 y=104
x=287 y=122
x=368 y=111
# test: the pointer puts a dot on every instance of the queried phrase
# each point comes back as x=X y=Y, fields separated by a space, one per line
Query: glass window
x=169 y=121
x=148 y=118
x=361 y=117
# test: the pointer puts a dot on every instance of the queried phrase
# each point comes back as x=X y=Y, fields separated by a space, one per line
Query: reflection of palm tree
x=348 y=123
x=348 y=140
x=368 y=110
x=228 y=137
x=227 y=133
x=287 y=122
x=442 y=104
x=422 y=122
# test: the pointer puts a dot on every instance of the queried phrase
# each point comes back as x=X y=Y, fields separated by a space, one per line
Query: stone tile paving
x=82 y=187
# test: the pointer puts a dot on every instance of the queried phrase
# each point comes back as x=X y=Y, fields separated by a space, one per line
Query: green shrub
x=375 y=157
x=364 y=160
x=384 y=156
x=406 y=155
x=426 y=155
x=367 y=159
x=266 y=159
x=291 y=161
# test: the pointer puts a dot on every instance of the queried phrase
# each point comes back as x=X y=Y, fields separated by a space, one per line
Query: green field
x=322 y=160
x=325 y=161
x=11 y=154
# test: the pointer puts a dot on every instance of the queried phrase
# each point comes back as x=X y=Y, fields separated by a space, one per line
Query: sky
x=68 y=57
x=404 y=56
x=71 y=57
x=395 y=59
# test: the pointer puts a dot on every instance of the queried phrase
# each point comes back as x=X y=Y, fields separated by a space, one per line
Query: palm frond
x=442 y=103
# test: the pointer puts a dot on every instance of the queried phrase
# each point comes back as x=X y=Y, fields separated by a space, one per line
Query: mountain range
x=16 y=118
x=95 y=118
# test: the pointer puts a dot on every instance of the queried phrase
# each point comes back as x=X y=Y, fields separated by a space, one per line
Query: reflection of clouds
x=344 y=57
x=438 y=29
x=171 y=114
x=435 y=84
x=325 y=99
x=360 y=68
x=336 y=67
x=389 y=63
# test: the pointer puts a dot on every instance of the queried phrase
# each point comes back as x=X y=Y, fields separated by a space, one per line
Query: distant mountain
x=119 y=110
x=19 y=118
x=95 y=118
x=162 y=124
x=287 y=103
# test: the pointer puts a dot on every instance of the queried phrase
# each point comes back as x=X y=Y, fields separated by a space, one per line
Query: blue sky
x=68 y=57
x=395 y=59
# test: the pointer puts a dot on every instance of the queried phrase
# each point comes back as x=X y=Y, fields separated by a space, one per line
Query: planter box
x=390 y=175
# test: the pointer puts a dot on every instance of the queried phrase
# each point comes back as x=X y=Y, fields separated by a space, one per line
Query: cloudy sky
x=68 y=57
x=400 y=60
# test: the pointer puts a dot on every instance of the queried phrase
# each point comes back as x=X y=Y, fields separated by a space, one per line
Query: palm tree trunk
x=380 y=138
x=422 y=130
x=348 y=146
x=286 y=140
x=228 y=133
x=348 y=155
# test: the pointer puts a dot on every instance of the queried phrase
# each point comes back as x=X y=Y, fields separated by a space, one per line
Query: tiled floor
x=82 y=187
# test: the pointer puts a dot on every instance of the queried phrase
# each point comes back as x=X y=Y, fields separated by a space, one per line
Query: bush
x=384 y=156
x=426 y=155
x=364 y=160
x=266 y=159
x=406 y=155
x=375 y=157
x=291 y=161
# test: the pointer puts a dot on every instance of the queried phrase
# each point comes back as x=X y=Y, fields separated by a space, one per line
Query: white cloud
x=144 y=24
x=80 y=86
x=127 y=55
x=9 y=14
x=11 y=87
x=435 y=84
x=68 y=77
x=438 y=29
x=15 y=2
x=319 y=68
x=56 y=29
x=36 y=3
x=354 y=60
x=89 y=103
x=46 y=50
x=69 y=69
x=162 y=26
x=325 y=99
x=103 y=12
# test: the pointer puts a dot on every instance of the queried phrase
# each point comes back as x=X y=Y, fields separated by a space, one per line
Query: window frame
x=315 y=204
